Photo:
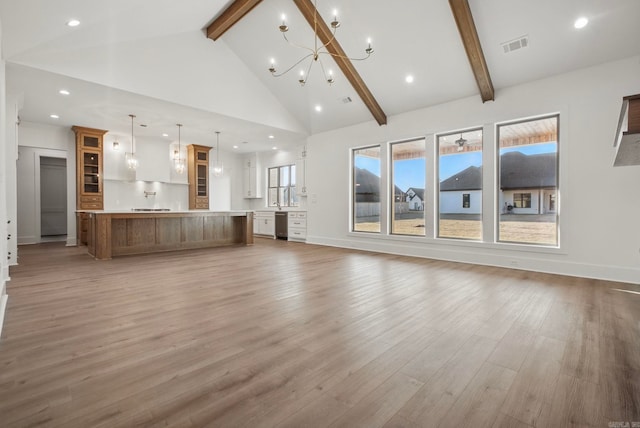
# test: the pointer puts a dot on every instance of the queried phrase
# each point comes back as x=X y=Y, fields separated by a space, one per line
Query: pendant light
x=218 y=169
x=132 y=162
x=178 y=161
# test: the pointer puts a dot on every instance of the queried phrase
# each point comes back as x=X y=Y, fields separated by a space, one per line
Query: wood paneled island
x=118 y=233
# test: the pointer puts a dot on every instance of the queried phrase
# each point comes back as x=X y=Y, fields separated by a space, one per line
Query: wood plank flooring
x=291 y=335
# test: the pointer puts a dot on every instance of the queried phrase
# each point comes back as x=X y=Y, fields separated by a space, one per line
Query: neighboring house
x=527 y=186
x=415 y=198
x=367 y=195
x=528 y=183
x=462 y=192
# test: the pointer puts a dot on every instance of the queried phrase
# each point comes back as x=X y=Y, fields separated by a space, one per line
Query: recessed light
x=235 y=146
x=54 y=116
x=165 y=134
x=73 y=23
x=64 y=92
x=318 y=108
x=581 y=22
x=409 y=78
x=274 y=148
x=271 y=137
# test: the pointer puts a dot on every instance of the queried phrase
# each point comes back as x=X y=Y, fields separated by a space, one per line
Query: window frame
x=391 y=182
x=352 y=190
x=291 y=185
x=436 y=211
x=559 y=181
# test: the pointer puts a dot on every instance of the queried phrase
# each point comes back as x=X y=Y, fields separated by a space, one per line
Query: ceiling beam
x=467 y=28
x=338 y=54
x=229 y=17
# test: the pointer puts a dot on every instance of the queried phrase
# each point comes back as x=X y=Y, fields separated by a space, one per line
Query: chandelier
x=132 y=161
x=178 y=160
x=315 y=52
x=218 y=168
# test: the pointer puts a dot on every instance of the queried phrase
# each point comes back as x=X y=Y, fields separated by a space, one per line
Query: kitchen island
x=118 y=233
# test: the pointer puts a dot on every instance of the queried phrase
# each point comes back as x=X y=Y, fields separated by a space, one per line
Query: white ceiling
x=151 y=58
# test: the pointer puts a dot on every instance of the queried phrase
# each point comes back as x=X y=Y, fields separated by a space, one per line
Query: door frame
x=47 y=153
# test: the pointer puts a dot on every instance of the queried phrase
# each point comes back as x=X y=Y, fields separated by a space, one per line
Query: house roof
x=467 y=179
x=520 y=171
x=367 y=183
x=517 y=171
x=418 y=192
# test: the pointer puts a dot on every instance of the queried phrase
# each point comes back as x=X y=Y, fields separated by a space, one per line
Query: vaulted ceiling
x=152 y=58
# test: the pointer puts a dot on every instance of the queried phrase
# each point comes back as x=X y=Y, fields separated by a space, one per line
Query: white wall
x=4 y=201
x=37 y=140
x=597 y=240
x=451 y=202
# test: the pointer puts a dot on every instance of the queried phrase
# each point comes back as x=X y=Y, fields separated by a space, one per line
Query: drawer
x=297 y=214
x=202 y=206
x=297 y=234
x=264 y=214
x=90 y=199
x=298 y=222
x=91 y=205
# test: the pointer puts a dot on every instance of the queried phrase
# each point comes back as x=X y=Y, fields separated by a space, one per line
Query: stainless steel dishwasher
x=282 y=220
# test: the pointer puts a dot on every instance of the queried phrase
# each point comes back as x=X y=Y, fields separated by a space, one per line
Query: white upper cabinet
x=252 y=182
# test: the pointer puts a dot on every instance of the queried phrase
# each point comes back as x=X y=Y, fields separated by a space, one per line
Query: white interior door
x=53 y=196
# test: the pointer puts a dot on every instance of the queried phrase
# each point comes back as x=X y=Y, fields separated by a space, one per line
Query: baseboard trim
x=491 y=258
x=3 y=307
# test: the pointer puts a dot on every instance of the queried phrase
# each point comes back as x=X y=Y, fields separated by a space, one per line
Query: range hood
x=627 y=142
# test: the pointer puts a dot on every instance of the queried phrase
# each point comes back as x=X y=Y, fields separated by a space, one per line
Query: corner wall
x=4 y=200
x=599 y=203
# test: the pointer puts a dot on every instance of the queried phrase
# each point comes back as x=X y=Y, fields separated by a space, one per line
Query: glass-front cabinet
x=89 y=164
x=198 y=166
x=89 y=175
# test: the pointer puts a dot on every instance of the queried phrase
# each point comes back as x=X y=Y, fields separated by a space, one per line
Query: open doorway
x=53 y=199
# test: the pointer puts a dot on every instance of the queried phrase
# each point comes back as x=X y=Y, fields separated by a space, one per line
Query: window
x=366 y=189
x=282 y=186
x=522 y=200
x=460 y=176
x=466 y=200
x=528 y=181
x=408 y=189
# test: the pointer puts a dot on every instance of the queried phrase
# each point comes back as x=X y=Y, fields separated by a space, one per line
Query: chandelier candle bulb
x=320 y=46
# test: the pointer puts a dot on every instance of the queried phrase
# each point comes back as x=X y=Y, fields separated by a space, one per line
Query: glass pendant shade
x=132 y=161
x=178 y=161
x=218 y=169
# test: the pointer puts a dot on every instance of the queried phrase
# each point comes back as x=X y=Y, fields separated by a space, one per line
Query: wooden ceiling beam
x=338 y=54
x=467 y=28
x=229 y=17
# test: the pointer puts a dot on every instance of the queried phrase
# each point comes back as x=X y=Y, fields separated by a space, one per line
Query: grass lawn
x=532 y=232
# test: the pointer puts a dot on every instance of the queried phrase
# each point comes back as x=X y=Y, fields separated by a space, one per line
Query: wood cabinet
x=89 y=164
x=297 y=226
x=89 y=176
x=198 y=167
x=252 y=183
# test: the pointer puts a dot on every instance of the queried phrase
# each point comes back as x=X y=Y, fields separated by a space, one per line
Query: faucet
x=279 y=206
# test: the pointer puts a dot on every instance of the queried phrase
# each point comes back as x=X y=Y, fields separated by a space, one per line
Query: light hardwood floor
x=294 y=335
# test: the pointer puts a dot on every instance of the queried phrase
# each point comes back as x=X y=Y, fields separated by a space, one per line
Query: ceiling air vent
x=514 y=45
x=346 y=100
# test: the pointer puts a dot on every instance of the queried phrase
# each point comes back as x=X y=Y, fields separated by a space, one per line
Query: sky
x=412 y=172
